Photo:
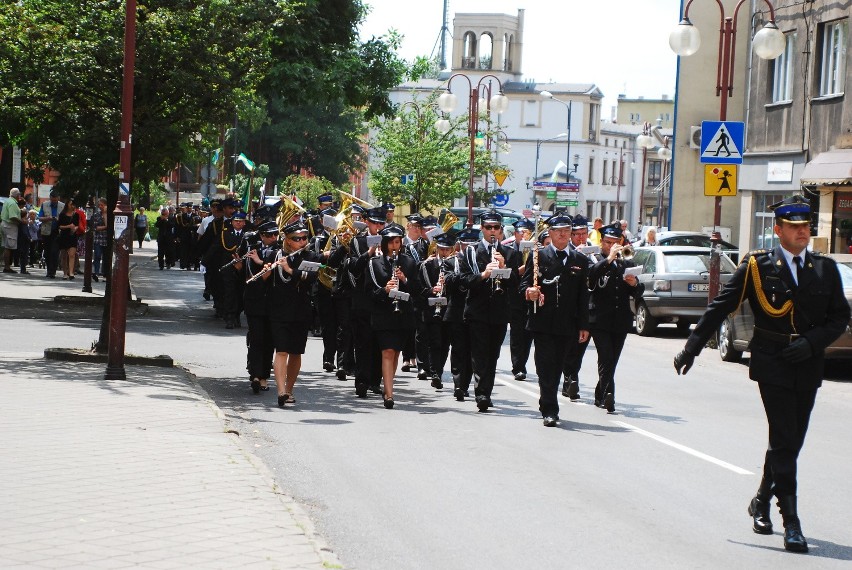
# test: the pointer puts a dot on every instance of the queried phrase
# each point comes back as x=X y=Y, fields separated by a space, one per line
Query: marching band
x=426 y=291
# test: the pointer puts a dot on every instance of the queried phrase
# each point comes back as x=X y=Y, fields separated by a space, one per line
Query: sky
x=619 y=45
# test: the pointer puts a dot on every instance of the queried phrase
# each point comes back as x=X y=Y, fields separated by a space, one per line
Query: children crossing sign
x=722 y=142
x=720 y=180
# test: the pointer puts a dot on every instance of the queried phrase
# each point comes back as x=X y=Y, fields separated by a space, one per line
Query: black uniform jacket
x=485 y=303
x=820 y=314
x=288 y=295
x=609 y=301
x=382 y=313
x=454 y=289
x=429 y=273
x=357 y=268
x=566 y=294
x=254 y=294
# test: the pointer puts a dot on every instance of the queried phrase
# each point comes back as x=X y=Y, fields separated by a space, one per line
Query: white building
x=602 y=160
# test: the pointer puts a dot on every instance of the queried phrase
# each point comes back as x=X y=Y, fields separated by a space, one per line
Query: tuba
x=344 y=227
x=287 y=210
x=446 y=219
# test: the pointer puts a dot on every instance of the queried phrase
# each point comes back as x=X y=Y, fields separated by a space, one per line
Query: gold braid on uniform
x=222 y=239
x=767 y=307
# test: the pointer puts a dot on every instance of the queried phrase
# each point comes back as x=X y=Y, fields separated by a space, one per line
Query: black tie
x=562 y=255
x=797 y=261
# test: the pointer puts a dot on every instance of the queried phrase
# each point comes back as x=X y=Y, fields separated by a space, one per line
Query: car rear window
x=688 y=262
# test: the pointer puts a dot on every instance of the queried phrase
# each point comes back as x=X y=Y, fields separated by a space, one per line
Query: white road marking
x=685 y=449
x=514 y=385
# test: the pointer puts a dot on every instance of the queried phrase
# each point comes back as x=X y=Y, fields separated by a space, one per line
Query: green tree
x=410 y=147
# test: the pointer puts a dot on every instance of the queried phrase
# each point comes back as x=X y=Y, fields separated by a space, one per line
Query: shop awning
x=830 y=167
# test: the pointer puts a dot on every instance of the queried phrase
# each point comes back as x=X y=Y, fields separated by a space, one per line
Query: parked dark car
x=735 y=332
x=697 y=239
x=509 y=218
x=677 y=282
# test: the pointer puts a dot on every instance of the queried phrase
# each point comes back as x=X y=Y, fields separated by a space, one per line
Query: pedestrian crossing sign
x=720 y=180
x=722 y=142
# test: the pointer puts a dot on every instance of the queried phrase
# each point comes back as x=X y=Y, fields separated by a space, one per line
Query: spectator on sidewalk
x=98 y=223
x=67 y=239
x=140 y=224
x=49 y=217
x=81 y=237
x=27 y=240
x=9 y=221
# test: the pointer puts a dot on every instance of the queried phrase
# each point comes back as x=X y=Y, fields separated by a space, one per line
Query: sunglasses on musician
x=298 y=238
x=492 y=227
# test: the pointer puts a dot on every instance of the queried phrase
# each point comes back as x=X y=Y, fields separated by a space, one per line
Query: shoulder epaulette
x=815 y=253
x=759 y=251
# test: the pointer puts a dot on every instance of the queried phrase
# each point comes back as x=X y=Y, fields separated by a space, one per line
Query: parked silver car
x=735 y=332
x=677 y=282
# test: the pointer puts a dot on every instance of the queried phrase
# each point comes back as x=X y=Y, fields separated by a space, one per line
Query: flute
x=290 y=258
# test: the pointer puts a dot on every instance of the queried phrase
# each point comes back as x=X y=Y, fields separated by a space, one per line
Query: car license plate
x=698 y=287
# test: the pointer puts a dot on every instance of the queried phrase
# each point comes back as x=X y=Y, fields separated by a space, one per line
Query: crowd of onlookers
x=52 y=235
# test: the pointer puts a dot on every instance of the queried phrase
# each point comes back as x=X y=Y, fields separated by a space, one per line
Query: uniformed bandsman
x=461 y=365
x=436 y=332
x=415 y=352
x=231 y=283
x=391 y=318
x=610 y=316
x=487 y=307
x=259 y=337
x=367 y=356
x=555 y=286
x=571 y=383
x=289 y=308
x=520 y=340
x=799 y=309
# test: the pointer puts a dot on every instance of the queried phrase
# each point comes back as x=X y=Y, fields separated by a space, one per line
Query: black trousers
x=165 y=253
x=51 y=254
x=788 y=413
x=328 y=321
x=461 y=365
x=232 y=285
x=368 y=358
x=551 y=353
x=422 y=344
x=486 y=340
x=260 y=347
x=609 y=345
x=345 y=349
x=434 y=334
x=520 y=341
x=573 y=363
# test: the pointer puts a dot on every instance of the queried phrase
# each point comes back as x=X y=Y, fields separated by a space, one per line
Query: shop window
x=841 y=226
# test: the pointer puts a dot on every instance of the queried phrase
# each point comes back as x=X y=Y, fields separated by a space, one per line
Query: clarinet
x=440 y=284
x=394 y=259
x=496 y=288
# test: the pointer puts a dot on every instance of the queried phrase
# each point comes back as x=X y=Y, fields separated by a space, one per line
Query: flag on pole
x=555 y=176
x=245 y=160
x=215 y=159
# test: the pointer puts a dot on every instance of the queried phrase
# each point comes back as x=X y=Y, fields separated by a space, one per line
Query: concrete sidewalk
x=140 y=472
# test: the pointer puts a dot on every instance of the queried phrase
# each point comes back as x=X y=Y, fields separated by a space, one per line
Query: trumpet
x=496 y=288
x=290 y=259
x=626 y=252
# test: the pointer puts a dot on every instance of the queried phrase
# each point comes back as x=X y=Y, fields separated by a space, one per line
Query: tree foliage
x=409 y=146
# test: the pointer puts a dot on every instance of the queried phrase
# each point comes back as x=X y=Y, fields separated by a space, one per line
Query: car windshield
x=690 y=262
x=845 y=274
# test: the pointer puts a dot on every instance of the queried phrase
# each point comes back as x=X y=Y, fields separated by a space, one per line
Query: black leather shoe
x=361 y=390
x=758 y=509
x=422 y=375
x=482 y=403
x=573 y=390
x=599 y=404
x=94 y=277
x=550 y=421
x=282 y=400
x=341 y=374
x=794 y=539
x=436 y=383
x=458 y=394
x=389 y=403
x=609 y=403
x=328 y=366
x=489 y=402
x=406 y=367
x=520 y=376
x=376 y=389
x=255 y=385
x=206 y=296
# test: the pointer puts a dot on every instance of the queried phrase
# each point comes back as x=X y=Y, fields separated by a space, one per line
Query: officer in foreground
x=799 y=309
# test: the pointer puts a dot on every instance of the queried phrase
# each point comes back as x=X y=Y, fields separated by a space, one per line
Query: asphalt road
x=664 y=483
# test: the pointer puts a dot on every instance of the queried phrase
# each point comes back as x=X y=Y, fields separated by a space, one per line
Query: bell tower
x=488 y=43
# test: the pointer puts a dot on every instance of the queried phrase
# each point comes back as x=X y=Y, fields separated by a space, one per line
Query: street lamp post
x=498 y=103
x=549 y=95
x=665 y=153
x=768 y=43
x=119 y=281
x=538 y=143
x=644 y=141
